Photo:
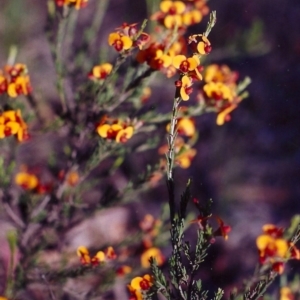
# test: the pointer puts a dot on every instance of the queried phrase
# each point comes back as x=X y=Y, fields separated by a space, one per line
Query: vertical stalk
x=58 y=58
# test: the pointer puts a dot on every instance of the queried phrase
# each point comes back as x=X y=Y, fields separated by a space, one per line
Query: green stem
x=58 y=58
x=97 y=22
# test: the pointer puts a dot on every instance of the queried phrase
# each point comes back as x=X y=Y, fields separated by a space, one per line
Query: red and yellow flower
x=120 y=41
x=139 y=285
x=114 y=129
x=286 y=294
x=152 y=252
x=99 y=257
x=157 y=59
x=200 y=44
x=100 y=72
x=170 y=14
x=274 y=249
x=220 y=91
x=11 y=123
x=185 y=87
x=29 y=179
x=73 y=3
x=15 y=80
x=187 y=65
x=26 y=180
x=220 y=73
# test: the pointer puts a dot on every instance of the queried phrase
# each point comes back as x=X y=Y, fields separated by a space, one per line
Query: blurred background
x=250 y=166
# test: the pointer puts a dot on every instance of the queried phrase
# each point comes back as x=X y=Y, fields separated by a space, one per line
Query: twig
x=13 y=216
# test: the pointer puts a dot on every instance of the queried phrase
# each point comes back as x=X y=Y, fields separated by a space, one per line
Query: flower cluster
x=99 y=257
x=286 y=294
x=157 y=58
x=73 y=3
x=150 y=227
x=220 y=91
x=139 y=286
x=126 y=37
x=15 y=81
x=29 y=180
x=115 y=129
x=11 y=123
x=180 y=14
x=274 y=249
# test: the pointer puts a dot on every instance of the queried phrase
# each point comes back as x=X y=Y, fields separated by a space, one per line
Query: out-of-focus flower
x=120 y=42
x=220 y=73
x=286 y=293
x=84 y=255
x=220 y=91
x=150 y=227
x=152 y=252
x=274 y=249
x=146 y=93
x=192 y=17
x=29 y=180
x=180 y=14
x=15 y=80
x=170 y=14
x=186 y=126
x=11 y=123
x=138 y=39
x=184 y=154
x=124 y=270
x=149 y=224
x=72 y=178
x=178 y=47
x=73 y=3
x=98 y=258
x=116 y=130
x=26 y=180
x=100 y=72
x=110 y=253
x=138 y=285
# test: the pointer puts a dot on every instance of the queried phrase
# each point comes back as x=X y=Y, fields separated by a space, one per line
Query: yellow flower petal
x=177 y=60
x=200 y=48
x=82 y=250
x=135 y=282
x=103 y=129
x=173 y=20
x=12 y=90
x=124 y=135
x=26 y=180
x=151 y=252
x=127 y=42
x=113 y=37
x=100 y=256
x=223 y=114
